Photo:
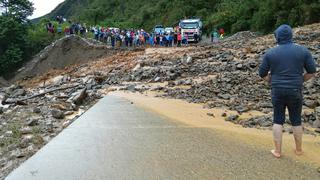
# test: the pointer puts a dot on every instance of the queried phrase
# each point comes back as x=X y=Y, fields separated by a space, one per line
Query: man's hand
x=268 y=78
x=307 y=77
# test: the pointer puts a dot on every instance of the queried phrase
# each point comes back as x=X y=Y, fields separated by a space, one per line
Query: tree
x=19 y=9
x=13 y=33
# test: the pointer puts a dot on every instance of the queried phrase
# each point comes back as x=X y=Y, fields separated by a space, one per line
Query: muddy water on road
x=195 y=115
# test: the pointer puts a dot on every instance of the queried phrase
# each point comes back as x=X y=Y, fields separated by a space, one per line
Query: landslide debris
x=34 y=111
x=64 y=52
x=222 y=75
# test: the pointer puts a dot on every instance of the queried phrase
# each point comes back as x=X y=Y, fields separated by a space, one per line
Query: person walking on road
x=283 y=66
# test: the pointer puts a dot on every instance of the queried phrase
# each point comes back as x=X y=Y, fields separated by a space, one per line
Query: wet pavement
x=118 y=140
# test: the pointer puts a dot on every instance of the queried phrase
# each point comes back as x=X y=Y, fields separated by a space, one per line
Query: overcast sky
x=43 y=7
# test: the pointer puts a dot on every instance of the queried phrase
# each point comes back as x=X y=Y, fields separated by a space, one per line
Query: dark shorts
x=283 y=98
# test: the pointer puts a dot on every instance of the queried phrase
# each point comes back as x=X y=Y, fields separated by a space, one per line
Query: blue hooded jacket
x=287 y=61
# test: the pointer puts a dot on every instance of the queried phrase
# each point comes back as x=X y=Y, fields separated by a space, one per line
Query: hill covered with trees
x=233 y=15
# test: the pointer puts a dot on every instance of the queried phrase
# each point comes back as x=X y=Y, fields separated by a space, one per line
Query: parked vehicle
x=192 y=28
x=168 y=30
x=159 y=29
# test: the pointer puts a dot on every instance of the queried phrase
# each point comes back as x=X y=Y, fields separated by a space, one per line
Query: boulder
x=32 y=122
x=58 y=114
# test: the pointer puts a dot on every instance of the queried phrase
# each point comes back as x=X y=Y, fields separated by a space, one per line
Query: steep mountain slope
x=233 y=15
x=143 y=13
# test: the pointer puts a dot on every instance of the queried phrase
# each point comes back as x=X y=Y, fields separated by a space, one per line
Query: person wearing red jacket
x=221 y=31
x=179 y=38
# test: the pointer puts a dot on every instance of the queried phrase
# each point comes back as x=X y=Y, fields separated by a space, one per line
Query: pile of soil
x=64 y=52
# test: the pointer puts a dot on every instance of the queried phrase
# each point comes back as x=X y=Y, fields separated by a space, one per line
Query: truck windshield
x=189 y=25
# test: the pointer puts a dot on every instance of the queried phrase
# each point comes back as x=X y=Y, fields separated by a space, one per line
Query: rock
x=17 y=154
x=57 y=80
x=232 y=118
x=224 y=114
x=58 y=114
x=37 y=110
x=66 y=124
x=32 y=122
x=224 y=96
x=266 y=105
x=189 y=60
x=3 y=162
x=68 y=113
x=31 y=148
x=242 y=109
x=26 y=130
x=157 y=79
x=316 y=124
x=137 y=67
x=239 y=66
x=79 y=97
x=186 y=60
x=1 y=110
x=18 y=92
x=8 y=134
x=310 y=103
x=10 y=89
x=307 y=113
x=3 y=98
x=211 y=114
x=26 y=140
x=317 y=130
x=266 y=124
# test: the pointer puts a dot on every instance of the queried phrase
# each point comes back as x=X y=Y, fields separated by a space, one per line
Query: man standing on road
x=283 y=66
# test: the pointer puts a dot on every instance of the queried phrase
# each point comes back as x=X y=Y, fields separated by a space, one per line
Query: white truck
x=191 y=28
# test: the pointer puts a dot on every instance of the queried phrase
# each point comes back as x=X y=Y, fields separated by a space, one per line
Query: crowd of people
x=129 y=38
x=126 y=37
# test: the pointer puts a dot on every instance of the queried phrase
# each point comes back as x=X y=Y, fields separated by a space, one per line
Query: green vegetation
x=19 y=40
x=13 y=33
x=233 y=15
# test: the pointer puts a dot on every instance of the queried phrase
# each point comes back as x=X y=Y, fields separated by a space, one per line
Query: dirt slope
x=64 y=52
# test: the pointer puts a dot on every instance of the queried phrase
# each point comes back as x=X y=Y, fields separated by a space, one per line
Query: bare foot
x=298 y=153
x=275 y=154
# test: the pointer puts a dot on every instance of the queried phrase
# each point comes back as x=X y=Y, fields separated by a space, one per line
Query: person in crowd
x=84 y=30
x=96 y=33
x=167 y=40
x=59 y=30
x=161 y=40
x=215 y=36
x=131 y=38
x=141 y=39
x=50 y=27
x=221 y=31
x=66 y=31
x=171 y=39
x=113 y=39
x=179 y=39
x=196 y=37
x=185 y=38
x=286 y=67
x=158 y=40
x=151 y=40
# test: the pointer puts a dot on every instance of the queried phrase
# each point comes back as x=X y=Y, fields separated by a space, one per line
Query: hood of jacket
x=284 y=34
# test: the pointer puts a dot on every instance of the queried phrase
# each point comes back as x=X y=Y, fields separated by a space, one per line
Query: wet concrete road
x=117 y=140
